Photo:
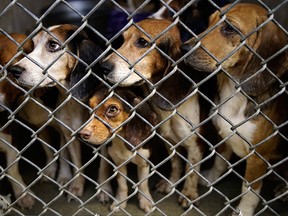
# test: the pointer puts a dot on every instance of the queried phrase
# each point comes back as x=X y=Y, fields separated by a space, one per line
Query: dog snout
x=16 y=71
x=106 y=67
x=85 y=134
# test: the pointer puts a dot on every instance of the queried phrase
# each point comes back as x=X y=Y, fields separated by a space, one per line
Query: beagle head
x=138 y=58
x=111 y=114
x=241 y=43
x=11 y=49
x=60 y=55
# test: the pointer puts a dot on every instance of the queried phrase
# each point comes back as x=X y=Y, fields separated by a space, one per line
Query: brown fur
x=242 y=65
x=137 y=61
x=111 y=115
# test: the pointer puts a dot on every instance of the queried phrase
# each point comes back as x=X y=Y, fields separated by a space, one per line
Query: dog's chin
x=199 y=66
x=37 y=85
x=88 y=142
x=140 y=82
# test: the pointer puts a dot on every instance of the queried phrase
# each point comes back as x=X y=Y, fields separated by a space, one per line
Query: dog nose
x=185 y=48
x=16 y=71
x=106 y=67
x=85 y=134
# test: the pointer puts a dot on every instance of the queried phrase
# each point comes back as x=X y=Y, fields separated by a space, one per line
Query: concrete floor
x=53 y=201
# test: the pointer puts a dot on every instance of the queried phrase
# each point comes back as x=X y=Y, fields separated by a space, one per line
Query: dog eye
x=228 y=29
x=53 y=46
x=142 y=42
x=112 y=111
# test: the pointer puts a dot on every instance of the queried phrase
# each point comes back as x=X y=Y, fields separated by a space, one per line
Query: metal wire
x=220 y=193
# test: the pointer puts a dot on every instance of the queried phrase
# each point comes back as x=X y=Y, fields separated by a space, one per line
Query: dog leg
x=190 y=188
x=16 y=179
x=176 y=170
x=64 y=174
x=103 y=175
x=144 y=196
x=255 y=168
x=218 y=168
x=51 y=165
x=122 y=190
x=77 y=185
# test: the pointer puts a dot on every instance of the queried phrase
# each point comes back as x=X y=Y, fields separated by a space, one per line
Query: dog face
x=136 y=59
x=8 y=54
x=48 y=61
x=55 y=58
x=223 y=45
x=112 y=114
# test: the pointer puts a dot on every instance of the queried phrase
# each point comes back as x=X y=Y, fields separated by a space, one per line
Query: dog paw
x=116 y=207
x=145 y=205
x=186 y=199
x=163 y=187
x=103 y=196
x=238 y=213
x=76 y=188
x=26 y=202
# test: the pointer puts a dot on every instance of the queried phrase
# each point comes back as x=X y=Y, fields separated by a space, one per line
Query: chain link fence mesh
x=60 y=175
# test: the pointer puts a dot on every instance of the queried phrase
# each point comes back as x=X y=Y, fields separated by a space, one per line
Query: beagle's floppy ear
x=137 y=130
x=84 y=86
x=172 y=91
x=270 y=39
x=167 y=97
x=170 y=44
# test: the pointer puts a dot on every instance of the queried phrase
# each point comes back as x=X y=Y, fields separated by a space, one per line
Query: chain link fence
x=52 y=162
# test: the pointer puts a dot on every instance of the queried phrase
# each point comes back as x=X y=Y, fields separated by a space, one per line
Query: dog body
x=247 y=116
x=112 y=113
x=8 y=96
x=55 y=61
x=150 y=65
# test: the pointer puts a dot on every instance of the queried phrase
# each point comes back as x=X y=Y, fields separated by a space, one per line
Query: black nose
x=185 y=48
x=106 y=67
x=16 y=71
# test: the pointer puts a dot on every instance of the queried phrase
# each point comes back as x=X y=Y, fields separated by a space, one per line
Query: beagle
x=251 y=102
x=8 y=95
x=113 y=114
x=145 y=58
x=59 y=59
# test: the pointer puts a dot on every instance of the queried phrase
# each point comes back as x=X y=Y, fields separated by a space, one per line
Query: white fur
x=2 y=101
x=123 y=75
x=233 y=110
x=249 y=201
x=120 y=155
x=176 y=129
x=159 y=14
x=48 y=72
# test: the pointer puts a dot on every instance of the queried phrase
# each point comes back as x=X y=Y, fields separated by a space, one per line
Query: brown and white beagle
x=8 y=95
x=243 y=47
x=150 y=48
x=128 y=121
x=62 y=57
